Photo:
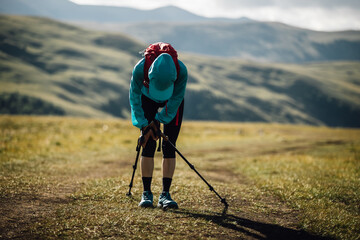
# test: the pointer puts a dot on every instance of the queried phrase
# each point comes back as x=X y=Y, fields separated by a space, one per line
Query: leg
x=169 y=158
x=146 y=166
x=168 y=167
x=147 y=156
x=171 y=130
x=169 y=161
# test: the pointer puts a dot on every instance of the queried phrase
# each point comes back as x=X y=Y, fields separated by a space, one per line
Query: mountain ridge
x=66 y=10
x=188 y=32
x=260 y=41
x=76 y=72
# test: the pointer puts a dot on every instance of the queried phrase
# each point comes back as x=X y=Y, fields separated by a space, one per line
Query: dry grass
x=67 y=178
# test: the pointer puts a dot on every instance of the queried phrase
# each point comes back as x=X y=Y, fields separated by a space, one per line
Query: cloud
x=327 y=15
x=313 y=18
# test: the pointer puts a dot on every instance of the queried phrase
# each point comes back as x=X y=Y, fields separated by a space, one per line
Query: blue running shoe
x=146 y=199
x=165 y=201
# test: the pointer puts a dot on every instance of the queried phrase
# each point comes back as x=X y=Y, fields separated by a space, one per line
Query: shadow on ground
x=251 y=229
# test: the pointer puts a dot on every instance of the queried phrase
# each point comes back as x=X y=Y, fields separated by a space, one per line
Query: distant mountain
x=48 y=67
x=188 y=32
x=68 y=11
x=260 y=41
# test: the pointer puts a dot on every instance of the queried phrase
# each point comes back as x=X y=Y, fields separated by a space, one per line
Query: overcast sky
x=325 y=15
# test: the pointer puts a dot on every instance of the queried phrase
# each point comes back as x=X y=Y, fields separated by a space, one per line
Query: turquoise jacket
x=137 y=89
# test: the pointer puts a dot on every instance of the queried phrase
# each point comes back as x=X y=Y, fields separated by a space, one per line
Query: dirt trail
x=20 y=211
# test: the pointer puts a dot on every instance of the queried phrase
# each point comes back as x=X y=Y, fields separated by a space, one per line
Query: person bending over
x=156 y=96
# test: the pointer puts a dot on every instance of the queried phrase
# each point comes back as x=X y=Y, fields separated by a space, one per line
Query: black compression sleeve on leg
x=166 y=184
x=147 y=183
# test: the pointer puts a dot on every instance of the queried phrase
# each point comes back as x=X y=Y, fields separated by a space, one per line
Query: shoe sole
x=146 y=205
x=173 y=206
x=149 y=206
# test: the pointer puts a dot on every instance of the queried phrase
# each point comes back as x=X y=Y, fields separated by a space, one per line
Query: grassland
x=59 y=68
x=67 y=178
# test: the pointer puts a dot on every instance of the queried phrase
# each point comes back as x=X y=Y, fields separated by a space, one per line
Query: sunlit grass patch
x=322 y=182
x=68 y=178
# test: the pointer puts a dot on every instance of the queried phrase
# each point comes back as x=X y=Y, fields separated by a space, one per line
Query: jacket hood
x=162 y=75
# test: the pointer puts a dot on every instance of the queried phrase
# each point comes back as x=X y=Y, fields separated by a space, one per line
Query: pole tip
x=224 y=212
x=223 y=200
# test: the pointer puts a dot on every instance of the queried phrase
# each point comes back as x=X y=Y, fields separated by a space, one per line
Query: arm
x=137 y=113
x=166 y=115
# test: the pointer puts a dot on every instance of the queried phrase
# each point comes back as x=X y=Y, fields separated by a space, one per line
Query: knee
x=149 y=150
x=168 y=150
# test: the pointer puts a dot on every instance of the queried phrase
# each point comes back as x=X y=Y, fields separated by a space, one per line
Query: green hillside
x=76 y=72
x=82 y=72
x=321 y=93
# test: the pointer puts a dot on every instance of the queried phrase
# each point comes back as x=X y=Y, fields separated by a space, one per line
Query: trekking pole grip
x=166 y=138
x=139 y=142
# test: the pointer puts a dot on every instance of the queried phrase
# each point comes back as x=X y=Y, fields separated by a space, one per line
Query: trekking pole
x=223 y=200
x=134 y=166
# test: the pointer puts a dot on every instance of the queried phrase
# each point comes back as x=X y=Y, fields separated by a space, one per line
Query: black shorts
x=171 y=129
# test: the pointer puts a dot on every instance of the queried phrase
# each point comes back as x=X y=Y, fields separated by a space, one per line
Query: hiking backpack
x=152 y=52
